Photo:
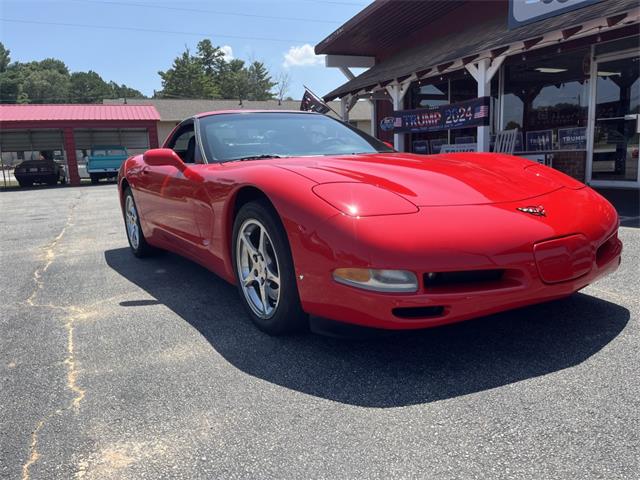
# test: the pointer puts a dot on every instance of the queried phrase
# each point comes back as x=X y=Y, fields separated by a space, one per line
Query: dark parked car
x=40 y=171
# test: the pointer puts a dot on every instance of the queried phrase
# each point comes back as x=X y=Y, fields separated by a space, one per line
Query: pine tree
x=260 y=83
x=187 y=79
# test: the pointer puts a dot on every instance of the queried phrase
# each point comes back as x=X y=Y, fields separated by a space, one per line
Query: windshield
x=238 y=136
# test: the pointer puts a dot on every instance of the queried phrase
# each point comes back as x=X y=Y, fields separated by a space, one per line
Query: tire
x=94 y=179
x=25 y=184
x=274 y=306
x=137 y=242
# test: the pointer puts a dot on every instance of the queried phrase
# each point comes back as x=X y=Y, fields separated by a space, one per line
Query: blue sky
x=118 y=44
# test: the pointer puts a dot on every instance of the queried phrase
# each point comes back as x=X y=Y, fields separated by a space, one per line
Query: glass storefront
x=576 y=108
x=615 y=133
x=453 y=88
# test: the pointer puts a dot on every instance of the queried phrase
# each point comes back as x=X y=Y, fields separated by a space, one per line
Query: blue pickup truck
x=104 y=161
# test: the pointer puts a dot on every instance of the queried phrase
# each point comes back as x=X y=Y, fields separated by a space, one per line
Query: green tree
x=259 y=82
x=51 y=64
x=10 y=83
x=49 y=81
x=5 y=58
x=88 y=87
x=45 y=86
x=212 y=60
x=207 y=74
x=122 y=91
x=187 y=79
x=235 y=81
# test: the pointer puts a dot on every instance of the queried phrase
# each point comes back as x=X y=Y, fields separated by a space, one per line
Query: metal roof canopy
x=21 y=124
x=77 y=113
x=490 y=38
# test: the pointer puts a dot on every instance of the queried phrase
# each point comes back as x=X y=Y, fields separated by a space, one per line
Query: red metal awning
x=62 y=112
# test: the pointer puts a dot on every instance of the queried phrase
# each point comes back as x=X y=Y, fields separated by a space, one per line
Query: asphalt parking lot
x=113 y=367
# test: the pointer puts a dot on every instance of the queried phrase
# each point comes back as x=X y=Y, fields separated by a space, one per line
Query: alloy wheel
x=131 y=220
x=258 y=268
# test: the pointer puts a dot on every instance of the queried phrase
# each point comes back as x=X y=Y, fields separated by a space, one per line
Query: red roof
x=30 y=113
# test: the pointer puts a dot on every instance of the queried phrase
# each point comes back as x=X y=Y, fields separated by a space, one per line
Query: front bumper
x=389 y=311
x=453 y=239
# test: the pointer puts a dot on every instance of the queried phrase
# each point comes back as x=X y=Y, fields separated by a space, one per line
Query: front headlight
x=362 y=199
x=399 y=281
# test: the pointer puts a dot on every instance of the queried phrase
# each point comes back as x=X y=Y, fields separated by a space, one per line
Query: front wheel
x=138 y=243
x=264 y=270
x=94 y=179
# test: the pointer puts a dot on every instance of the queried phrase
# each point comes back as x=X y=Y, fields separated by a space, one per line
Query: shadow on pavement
x=393 y=370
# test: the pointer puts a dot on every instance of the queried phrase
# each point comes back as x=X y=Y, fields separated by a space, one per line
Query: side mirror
x=158 y=157
x=389 y=144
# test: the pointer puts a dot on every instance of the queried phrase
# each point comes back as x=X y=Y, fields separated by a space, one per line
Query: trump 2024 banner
x=471 y=113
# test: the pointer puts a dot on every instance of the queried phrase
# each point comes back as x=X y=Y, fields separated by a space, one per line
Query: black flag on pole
x=312 y=103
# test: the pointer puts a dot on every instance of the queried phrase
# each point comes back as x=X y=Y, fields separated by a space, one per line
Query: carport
x=76 y=127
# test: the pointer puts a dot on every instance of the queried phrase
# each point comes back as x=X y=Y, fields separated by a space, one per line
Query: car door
x=168 y=193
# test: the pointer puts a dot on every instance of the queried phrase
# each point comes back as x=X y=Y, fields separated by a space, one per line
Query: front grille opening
x=418 y=312
x=607 y=250
x=464 y=277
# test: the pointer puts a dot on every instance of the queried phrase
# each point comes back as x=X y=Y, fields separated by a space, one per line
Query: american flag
x=312 y=103
x=481 y=111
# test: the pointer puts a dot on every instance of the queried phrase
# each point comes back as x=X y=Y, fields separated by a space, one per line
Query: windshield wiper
x=254 y=157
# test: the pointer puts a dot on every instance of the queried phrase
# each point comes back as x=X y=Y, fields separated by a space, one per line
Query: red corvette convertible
x=309 y=216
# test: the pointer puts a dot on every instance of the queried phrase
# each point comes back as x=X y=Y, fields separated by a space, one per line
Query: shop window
x=455 y=87
x=547 y=94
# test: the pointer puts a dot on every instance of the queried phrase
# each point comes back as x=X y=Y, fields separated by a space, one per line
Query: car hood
x=438 y=180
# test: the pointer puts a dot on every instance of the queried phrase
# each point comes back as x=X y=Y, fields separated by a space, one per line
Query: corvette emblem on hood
x=537 y=211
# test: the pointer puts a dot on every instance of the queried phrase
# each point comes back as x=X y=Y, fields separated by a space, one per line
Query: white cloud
x=227 y=51
x=302 y=56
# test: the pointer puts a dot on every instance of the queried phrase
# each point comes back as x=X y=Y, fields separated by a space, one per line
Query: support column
x=397 y=93
x=372 y=103
x=344 y=109
x=72 y=160
x=484 y=89
x=346 y=104
x=483 y=71
x=152 y=131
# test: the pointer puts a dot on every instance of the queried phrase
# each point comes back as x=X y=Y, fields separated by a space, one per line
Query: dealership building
x=564 y=74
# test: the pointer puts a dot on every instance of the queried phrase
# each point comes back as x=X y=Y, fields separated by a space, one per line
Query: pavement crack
x=33 y=450
x=50 y=255
x=74 y=313
x=70 y=361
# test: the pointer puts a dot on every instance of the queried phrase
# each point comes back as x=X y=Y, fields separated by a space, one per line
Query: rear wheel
x=25 y=183
x=264 y=270
x=94 y=178
x=138 y=243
